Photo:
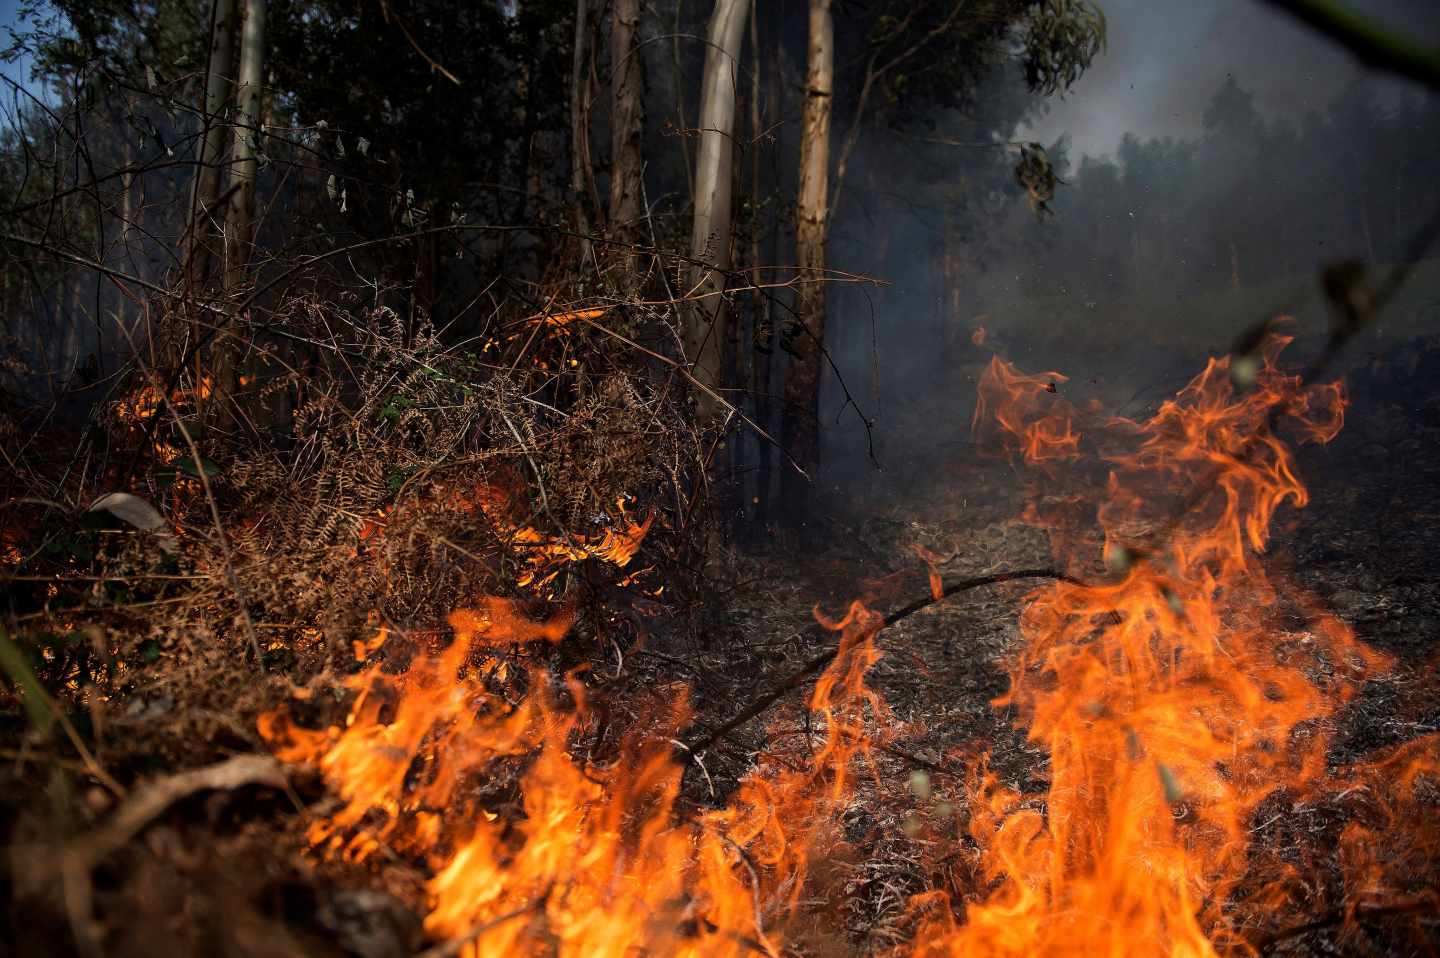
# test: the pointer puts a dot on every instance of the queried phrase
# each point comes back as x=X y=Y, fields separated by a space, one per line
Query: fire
x=547 y=555
x=598 y=862
x=1173 y=702
x=145 y=402
x=1183 y=696
x=1012 y=402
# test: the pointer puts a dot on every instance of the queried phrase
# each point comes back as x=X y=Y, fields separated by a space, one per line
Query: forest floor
x=1367 y=546
x=231 y=868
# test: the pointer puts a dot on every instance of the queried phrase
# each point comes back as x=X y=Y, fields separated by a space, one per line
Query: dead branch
x=150 y=801
x=797 y=678
x=1337 y=916
x=77 y=859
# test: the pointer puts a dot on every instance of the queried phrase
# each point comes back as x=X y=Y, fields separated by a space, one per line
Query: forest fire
x=500 y=479
x=597 y=863
x=1177 y=699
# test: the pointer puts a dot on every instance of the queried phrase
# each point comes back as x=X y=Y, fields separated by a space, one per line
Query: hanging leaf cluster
x=1062 y=37
x=1036 y=175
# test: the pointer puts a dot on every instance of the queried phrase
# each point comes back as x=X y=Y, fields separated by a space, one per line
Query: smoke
x=1166 y=57
x=1159 y=252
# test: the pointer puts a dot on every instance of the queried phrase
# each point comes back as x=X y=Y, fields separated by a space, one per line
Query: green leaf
x=394 y=406
x=188 y=467
x=32 y=693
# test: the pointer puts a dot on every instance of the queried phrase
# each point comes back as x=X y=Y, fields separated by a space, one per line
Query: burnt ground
x=1367 y=545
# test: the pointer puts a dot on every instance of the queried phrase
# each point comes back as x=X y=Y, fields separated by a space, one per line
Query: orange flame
x=1178 y=700
x=146 y=401
x=1033 y=421
x=1171 y=702
x=597 y=864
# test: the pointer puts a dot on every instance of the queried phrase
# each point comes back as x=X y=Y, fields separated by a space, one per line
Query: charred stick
x=1338 y=916
x=799 y=677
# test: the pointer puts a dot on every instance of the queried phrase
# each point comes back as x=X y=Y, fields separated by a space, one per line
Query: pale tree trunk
x=241 y=222
x=801 y=423
x=710 y=232
x=205 y=186
x=626 y=116
x=581 y=178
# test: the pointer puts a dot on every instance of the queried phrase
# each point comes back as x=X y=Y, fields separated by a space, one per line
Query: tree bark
x=627 y=105
x=241 y=221
x=240 y=217
x=580 y=175
x=710 y=232
x=757 y=348
x=801 y=423
x=205 y=185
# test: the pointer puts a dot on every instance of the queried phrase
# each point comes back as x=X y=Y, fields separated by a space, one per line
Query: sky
x=18 y=70
x=1164 y=59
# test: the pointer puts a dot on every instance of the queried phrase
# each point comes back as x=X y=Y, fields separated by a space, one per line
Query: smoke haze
x=1164 y=58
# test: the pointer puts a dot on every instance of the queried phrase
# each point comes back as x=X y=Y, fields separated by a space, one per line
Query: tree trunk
x=710 y=232
x=627 y=105
x=801 y=424
x=627 y=114
x=580 y=172
x=205 y=186
x=240 y=219
x=757 y=347
x=240 y=226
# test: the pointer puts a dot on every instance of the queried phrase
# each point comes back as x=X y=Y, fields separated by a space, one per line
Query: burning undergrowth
x=1187 y=700
x=433 y=588
x=387 y=477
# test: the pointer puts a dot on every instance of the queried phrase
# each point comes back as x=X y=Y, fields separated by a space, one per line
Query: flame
x=566 y=318
x=1185 y=697
x=546 y=555
x=1173 y=702
x=145 y=402
x=1031 y=422
x=597 y=862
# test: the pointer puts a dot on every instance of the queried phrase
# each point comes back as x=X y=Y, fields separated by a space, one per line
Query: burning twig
x=749 y=864
x=797 y=678
x=454 y=946
x=1347 y=914
x=1349 y=292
